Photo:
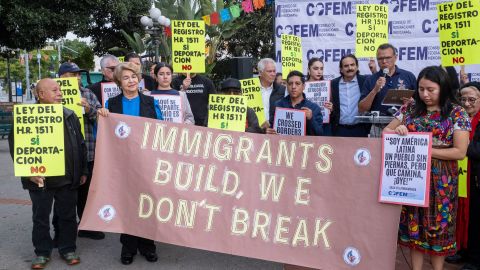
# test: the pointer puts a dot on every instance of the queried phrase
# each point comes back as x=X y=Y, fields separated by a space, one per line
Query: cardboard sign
x=462 y=177
x=291 y=54
x=372 y=29
x=458 y=26
x=251 y=89
x=298 y=200
x=39 y=144
x=227 y=112
x=71 y=97
x=405 y=176
x=109 y=89
x=171 y=107
x=188 y=46
x=319 y=93
x=290 y=122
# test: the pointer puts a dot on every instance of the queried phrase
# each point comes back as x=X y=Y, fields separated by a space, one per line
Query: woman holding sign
x=432 y=230
x=468 y=219
x=132 y=102
x=315 y=74
x=178 y=113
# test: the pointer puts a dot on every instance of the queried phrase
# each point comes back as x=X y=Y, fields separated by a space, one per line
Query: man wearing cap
x=91 y=104
x=107 y=64
x=232 y=86
x=60 y=190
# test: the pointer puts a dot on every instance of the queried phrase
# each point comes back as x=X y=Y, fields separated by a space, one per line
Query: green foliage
x=252 y=35
x=28 y=24
x=83 y=56
x=135 y=44
x=107 y=17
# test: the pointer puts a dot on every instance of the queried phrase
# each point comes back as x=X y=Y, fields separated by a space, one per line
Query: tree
x=28 y=24
x=259 y=42
x=135 y=43
x=78 y=52
x=107 y=17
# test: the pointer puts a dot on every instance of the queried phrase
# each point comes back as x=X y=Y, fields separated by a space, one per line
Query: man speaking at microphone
x=389 y=77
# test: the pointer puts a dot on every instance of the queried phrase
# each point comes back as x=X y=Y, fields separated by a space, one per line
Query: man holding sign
x=90 y=105
x=296 y=100
x=44 y=189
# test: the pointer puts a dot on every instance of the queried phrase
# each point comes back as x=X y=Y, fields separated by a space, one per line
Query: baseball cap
x=69 y=67
x=231 y=83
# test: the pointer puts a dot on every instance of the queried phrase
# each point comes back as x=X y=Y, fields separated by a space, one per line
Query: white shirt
x=266 y=92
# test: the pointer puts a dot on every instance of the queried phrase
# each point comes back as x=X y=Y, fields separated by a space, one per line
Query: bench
x=6 y=120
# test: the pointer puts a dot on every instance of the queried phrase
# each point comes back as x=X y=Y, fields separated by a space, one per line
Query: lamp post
x=154 y=25
x=8 y=53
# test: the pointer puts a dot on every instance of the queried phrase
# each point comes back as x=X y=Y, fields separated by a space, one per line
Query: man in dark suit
x=345 y=98
x=271 y=91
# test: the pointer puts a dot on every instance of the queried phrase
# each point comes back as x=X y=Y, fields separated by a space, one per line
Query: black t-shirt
x=150 y=83
x=197 y=94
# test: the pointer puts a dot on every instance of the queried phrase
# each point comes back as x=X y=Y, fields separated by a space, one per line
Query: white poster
x=319 y=93
x=327 y=29
x=171 y=106
x=290 y=122
x=109 y=90
x=405 y=176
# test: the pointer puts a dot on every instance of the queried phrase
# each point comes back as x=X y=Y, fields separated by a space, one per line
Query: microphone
x=385 y=72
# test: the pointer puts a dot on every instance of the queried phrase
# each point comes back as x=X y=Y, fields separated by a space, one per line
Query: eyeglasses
x=470 y=100
x=111 y=68
x=386 y=58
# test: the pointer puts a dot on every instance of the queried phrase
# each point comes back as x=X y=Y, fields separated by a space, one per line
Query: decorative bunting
x=206 y=19
x=258 y=4
x=214 y=18
x=235 y=10
x=247 y=6
x=168 y=31
x=225 y=14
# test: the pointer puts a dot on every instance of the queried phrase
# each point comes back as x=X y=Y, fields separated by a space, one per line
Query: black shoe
x=91 y=234
x=127 y=258
x=150 y=256
x=455 y=259
x=470 y=266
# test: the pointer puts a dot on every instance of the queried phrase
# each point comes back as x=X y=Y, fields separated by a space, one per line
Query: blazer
x=335 y=116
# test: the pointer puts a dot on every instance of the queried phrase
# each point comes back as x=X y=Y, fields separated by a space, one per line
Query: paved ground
x=16 y=249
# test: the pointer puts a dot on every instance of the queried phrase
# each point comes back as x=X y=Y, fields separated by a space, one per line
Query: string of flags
x=230 y=13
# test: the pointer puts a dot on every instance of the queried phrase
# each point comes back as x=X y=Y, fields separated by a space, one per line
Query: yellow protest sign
x=188 y=46
x=291 y=54
x=71 y=97
x=39 y=145
x=462 y=177
x=458 y=26
x=372 y=29
x=252 y=91
x=227 y=112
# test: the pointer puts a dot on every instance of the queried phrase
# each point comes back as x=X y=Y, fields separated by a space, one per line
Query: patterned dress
x=432 y=230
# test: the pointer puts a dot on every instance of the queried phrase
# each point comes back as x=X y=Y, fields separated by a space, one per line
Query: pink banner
x=309 y=201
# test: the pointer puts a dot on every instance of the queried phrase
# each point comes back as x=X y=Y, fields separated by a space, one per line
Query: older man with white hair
x=107 y=64
x=271 y=91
